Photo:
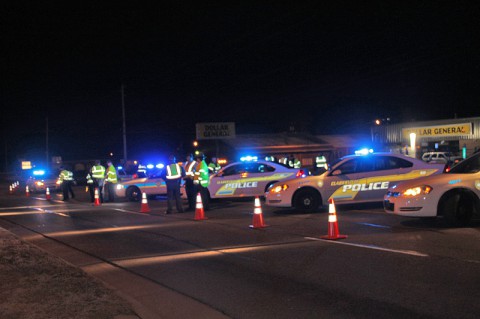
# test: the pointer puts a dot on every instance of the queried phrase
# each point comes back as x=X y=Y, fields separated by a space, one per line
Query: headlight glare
x=419 y=190
x=279 y=188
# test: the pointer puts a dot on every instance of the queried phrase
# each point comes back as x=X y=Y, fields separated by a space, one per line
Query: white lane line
x=374 y=225
x=397 y=251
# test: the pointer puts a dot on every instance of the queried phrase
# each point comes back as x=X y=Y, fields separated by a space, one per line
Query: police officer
x=98 y=174
x=202 y=180
x=190 y=168
x=173 y=175
x=294 y=162
x=66 y=179
x=91 y=187
x=111 y=181
x=214 y=167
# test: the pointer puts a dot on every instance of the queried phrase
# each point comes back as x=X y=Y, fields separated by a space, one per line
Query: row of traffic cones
x=258 y=222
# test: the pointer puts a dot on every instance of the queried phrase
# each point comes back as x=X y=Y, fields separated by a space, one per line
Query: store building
x=460 y=136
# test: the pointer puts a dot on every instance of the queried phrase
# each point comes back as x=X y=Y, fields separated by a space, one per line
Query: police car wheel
x=134 y=194
x=457 y=209
x=307 y=200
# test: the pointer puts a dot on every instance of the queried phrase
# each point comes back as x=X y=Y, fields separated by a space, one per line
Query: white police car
x=132 y=189
x=454 y=195
x=352 y=179
x=250 y=177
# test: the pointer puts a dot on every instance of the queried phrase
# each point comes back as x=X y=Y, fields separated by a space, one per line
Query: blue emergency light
x=39 y=172
x=159 y=166
x=364 y=151
x=248 y=158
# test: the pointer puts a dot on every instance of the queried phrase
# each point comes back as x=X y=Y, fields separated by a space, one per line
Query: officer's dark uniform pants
x=65 y=190
x=70 y=189
x=173 y=196
x=91 y=190
x=111 y=191
x=190 y=190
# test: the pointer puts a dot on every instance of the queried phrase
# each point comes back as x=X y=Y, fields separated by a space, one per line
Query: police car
x=250 y=177
x=41 y=180
x=352 y=179
x=454 y=195
x=132 y=189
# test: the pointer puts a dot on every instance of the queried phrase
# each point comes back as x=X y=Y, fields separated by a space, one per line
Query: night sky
x=323 y=68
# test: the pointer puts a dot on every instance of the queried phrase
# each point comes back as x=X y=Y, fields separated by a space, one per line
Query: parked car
x=133 y=188
x=441 y=157
x=455 y=195
x=40 y=183
x=352 y=179
x=249 y=178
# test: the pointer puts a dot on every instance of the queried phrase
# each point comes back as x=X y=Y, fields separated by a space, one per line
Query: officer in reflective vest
x=173 y=175
x=111 y=181
x=98 y=174
x=66 y=179
x=202 y=180
x=294 y=162
x=214 y=167
x=190 y=166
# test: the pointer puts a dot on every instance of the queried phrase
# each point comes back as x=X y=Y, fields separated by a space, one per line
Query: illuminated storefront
x=415 y=138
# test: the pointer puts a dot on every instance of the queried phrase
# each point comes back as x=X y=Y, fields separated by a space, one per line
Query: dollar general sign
x=212 y=131
x=440 y=130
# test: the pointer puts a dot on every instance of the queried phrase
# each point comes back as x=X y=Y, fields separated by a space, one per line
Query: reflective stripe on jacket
x=201 y=175
x=190 y=168
x=111 y=174
x=98 y=171
x=174 y=171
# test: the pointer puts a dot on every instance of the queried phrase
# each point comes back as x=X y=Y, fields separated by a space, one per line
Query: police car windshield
x=467 y=166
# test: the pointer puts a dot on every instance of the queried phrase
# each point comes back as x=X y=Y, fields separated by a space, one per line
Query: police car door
x=389 y=170
x=347 y=181
x=226 y=182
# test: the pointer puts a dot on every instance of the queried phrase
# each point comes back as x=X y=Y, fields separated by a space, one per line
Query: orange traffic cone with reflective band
x=97 y=198
x=47 y=194
x=333 y=232
x=27 y=191
x=145 y=208
x=199 y=212
x=257 y=215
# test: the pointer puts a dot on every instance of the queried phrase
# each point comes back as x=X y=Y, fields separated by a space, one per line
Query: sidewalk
x=37 y=285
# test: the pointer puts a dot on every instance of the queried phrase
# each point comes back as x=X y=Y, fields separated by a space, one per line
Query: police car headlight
x=58 y=182
x=419 y=190
x=279 y=188
x=119 y=186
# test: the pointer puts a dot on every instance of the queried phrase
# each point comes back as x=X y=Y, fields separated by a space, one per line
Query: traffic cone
x=27 y=191
x=145 y=208
x=333 y=232
x=97 y=198
x=257 y=215
x=47 y=194
x=199 y=212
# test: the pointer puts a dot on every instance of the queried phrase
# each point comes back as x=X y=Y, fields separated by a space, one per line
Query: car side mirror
x=336 y=172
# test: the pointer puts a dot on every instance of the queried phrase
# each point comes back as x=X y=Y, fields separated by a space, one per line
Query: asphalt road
x=174 y=266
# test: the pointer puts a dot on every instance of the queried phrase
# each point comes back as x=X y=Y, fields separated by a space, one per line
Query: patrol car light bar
x=364 y=151
x=248 y=158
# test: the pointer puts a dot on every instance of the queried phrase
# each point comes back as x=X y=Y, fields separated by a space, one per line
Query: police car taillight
x=300 y=173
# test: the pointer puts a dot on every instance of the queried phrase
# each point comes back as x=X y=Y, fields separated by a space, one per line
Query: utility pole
x=124 y=128
x=47 y=162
